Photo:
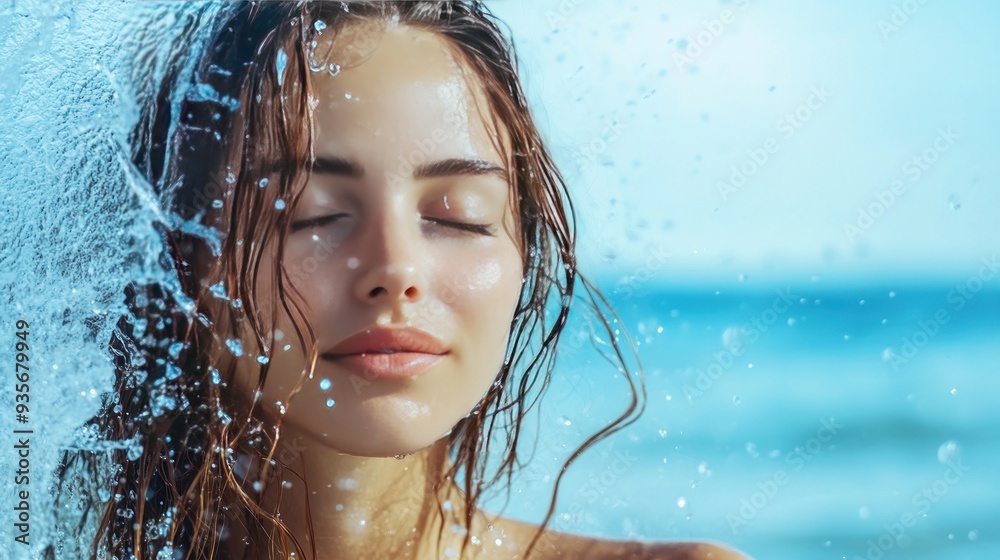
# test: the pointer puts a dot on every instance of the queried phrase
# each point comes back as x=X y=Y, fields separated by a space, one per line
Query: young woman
x=369 y=236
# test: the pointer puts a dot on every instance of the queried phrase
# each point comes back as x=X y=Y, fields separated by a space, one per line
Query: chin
x=381 y=436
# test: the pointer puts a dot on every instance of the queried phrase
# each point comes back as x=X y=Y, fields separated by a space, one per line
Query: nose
x=390 y=263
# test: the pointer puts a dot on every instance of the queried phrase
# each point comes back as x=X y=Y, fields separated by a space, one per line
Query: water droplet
x=235 y=347
x=733 y=338
x=262 y=360
x=279 y=204
x=703 y=469
x=565 y=421
x=736 y=400
x=887 y=355
x=325 y=384
x=353 y=263
x=230 y=178
x=330 y=403
x=263 y=182
x=172 y=371
x=973 y=535
x=954 y=203
x=314 y=65
x=663 y=432
x=218 y=290
x=791 y=321
x=333 y=69
x=319 y=25
x=104 y=494
x=348 y=95
x=217 y=204
x=134 y=452
x=281 y=61
x=948 y=451
x=954 y=391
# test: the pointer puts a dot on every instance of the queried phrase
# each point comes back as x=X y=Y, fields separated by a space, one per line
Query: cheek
x=484 y=289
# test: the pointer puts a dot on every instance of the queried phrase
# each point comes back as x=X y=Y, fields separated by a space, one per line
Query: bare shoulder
x=640 y=550
x=555 y=544
x=693 y=551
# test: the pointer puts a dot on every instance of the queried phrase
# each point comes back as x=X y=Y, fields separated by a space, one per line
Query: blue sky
x=866 y=132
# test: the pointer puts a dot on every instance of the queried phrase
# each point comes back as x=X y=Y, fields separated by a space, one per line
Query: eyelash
x=480 y=229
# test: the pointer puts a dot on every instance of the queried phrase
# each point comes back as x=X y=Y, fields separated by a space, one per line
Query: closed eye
x=317 y=222
x=481 y=229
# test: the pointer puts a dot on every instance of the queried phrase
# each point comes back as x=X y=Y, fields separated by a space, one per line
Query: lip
x=388 y=353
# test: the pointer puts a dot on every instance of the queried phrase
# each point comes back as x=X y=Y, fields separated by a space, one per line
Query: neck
x=371 y=507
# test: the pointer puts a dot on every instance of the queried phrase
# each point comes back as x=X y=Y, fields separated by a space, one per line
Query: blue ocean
x=790 y=422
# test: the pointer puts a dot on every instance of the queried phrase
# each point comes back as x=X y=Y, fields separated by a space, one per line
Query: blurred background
x=791 y=206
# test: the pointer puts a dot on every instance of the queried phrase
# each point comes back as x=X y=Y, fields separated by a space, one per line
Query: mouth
x=384 y=352
x=387 y=365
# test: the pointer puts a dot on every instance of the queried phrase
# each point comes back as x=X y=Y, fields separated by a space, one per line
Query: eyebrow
x=347 y=167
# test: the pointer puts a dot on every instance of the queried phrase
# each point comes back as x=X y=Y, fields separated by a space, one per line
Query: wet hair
x=175 y=436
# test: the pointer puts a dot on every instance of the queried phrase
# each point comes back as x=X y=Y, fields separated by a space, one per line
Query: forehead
x=411 y=91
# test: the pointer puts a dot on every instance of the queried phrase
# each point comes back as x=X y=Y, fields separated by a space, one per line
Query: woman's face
x=386 y=236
